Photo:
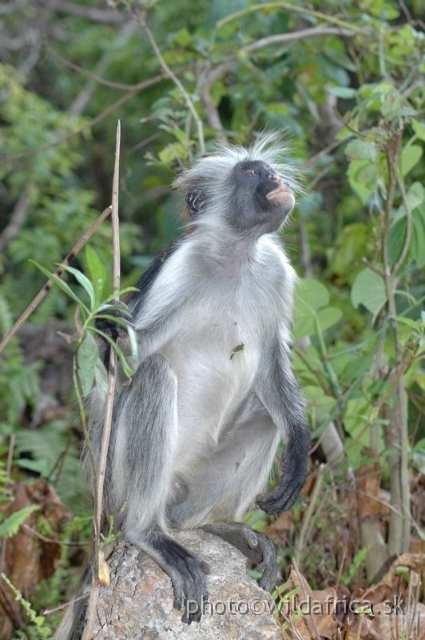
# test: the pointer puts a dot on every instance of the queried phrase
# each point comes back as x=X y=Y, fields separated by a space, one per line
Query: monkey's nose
x=273 y=177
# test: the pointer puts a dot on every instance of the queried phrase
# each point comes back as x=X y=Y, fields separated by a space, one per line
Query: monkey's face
x=261 y=200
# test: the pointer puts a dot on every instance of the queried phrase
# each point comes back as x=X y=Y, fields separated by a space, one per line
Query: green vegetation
x=344 y=83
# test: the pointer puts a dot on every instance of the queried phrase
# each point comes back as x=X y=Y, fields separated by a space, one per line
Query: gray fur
x=195 y=434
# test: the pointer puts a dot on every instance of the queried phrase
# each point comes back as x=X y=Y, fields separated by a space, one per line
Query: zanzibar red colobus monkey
x=196 y=431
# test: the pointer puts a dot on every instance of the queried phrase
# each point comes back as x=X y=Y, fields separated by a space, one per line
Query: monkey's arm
x=280 y=394
x=152 y=310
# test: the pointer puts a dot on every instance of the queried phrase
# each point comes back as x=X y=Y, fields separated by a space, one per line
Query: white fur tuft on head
x=212 y=172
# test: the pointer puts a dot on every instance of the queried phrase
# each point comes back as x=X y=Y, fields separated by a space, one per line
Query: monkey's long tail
x=72 y=625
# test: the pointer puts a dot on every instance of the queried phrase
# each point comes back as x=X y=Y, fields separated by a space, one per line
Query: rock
x=139 y=602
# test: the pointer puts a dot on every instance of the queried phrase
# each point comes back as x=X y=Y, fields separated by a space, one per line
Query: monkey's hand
x=294 y=472
x=255 y=546
x=115 y=320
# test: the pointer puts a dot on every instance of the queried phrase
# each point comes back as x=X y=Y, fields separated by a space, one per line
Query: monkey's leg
x=226 y=484
x=255 y=546
x=145 y=442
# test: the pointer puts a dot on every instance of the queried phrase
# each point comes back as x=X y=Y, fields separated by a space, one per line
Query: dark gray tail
x=72 y=625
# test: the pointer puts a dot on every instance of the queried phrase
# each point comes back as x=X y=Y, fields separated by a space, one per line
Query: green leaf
x=409 y=322
x=360 y=150
x=97 y=272
x=410 y=157
x=415 y=195
x=362 y=176
x=87 y=357
x=328 y=317
x=396 y=240
x=61 y=284
x=84 y=282
x=418 y=237
x=10 y=526
x=419 y=129
x=357 y=367
x=101 y=379
x=343 y=92
x=369 y=290
x=313 y=293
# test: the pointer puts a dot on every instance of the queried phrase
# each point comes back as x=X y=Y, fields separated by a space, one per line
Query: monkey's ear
x=195 y=202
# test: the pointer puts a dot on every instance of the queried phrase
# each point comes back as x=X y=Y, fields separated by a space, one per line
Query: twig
x=304 y=594
x=103 y=16
x=90 y=123
x=49 y=284
x=121 y=86
x=309 y=513
x=48 y=612
x=107 y=423
x=17 y=219
x=141 y=19
x=343 y=24
x=216 y=73
x=61 y=543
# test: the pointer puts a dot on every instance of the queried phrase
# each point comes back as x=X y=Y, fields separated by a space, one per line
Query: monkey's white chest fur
x=227 y=311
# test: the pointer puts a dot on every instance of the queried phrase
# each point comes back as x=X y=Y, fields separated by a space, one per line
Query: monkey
x=196 y=431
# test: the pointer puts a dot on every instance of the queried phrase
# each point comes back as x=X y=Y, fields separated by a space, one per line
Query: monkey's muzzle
x=282 y=196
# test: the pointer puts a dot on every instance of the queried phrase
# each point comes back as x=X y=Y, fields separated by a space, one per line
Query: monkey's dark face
x=260 y=198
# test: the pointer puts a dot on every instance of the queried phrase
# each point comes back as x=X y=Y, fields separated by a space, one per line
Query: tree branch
x=141 y=19
x=17 y=219
x=49 y=284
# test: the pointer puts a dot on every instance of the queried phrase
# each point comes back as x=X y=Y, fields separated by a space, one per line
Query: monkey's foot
x=255 y=546
x=187 y=573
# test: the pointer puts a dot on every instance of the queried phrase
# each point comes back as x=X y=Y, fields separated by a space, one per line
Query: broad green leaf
x=362 y=176
x=409 y=322
x=87 y=357
x=415 y=195
x=313 y=293
x=97 y=272
x=369 y=290
x=328 y=317
x=360 y=150
x=84 y=282
x=319 y=401
x=419 y=129
x=417 y=245
x=10 y=526
x=397 y=238
x=101 y=379
x=357 y=367
x=410 y=157
x=61 y=284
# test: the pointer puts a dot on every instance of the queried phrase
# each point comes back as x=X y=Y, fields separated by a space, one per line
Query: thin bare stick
x=303 y=536
x=61 y=543
x=141 y=19
x=304 y=594
x=107 y=423
x=49 y=284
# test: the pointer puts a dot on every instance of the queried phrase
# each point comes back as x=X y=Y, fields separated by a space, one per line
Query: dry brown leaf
x=28 y=559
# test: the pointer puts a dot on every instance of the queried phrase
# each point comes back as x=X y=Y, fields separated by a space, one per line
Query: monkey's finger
x=268 y=565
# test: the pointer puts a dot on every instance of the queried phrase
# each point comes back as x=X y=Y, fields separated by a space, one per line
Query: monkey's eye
x=249 y=172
